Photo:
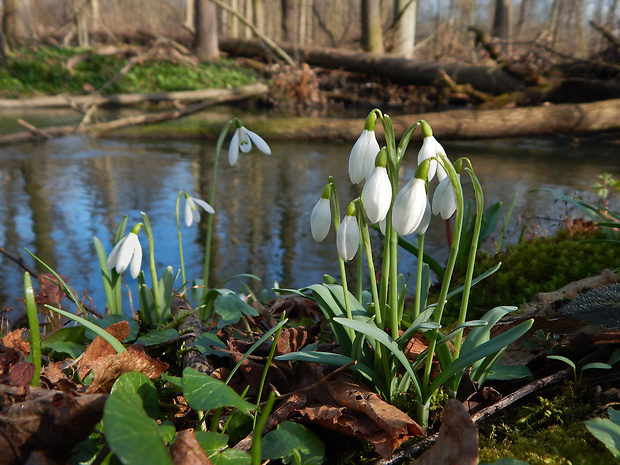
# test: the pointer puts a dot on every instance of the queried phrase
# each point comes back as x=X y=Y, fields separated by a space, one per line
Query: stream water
x=55 y=196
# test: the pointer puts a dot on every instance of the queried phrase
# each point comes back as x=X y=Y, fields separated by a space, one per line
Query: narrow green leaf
x=118 y=346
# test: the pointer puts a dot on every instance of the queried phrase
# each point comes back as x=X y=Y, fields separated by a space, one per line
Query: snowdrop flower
x=377 y=192
x=364 y=152
x=242 y=139
x=321 y=217
x=444 y=199
x=191 y=209
x=127 y=253
x=409 y=207
x=430 y=148
x=348 y=237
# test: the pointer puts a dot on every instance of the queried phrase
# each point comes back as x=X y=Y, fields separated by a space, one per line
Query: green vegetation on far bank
x=45 y=71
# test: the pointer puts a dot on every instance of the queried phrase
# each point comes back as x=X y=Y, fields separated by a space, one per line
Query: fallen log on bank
x=454 y=124
x=239 y=93
x=490 y=79
x=68 y=101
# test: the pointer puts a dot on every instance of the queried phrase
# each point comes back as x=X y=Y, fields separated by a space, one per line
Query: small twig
x=19 y=261
x=87 y=117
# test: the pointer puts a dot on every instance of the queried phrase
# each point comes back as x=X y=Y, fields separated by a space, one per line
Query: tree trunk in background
x=289 y=21
x=372 y=34
x=502 y=22
x=9 y=22
x=578 y=13
x=405 y=27
x=190 y=17
x=524 y=9
x=258 y=8
x=205 y=39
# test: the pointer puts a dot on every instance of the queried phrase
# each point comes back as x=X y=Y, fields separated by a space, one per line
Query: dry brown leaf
x=49 y=421
x=50 y=293
x=187 y=451
x=20 y=375
x=294 y=339
x=457 y=443
x=112 y=367
x=100 y=349
x=15 y=340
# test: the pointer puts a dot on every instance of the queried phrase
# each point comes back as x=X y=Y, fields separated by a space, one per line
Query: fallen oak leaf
x=457 y=443
x=112 y=367
x=100 y=349
x=187 y=451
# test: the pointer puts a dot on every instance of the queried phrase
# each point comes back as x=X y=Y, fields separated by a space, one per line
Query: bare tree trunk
x=289 y=21
x=405 y=27
x=502 y=22
x=205 y=39
x=9 y=22
x=190 y=17
x=258 y=8
x=524 y=9
x=372 y=35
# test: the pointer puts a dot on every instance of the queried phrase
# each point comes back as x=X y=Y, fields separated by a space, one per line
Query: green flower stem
x=360 y=266
x=445 y=285
x=472 y=256
x=179 y=236
x=418 y=283
x=33 y=324
x=393 y=250
x=153 y=270
x=218 y=149
x=371 y=269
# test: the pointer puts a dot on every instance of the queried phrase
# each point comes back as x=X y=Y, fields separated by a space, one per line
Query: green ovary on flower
x=362 y=158
x=348 y=237
x=377 y=194
x=126 y=253
x=242 y=139
x=409 y=207
x=191 y=209
x=444 y=199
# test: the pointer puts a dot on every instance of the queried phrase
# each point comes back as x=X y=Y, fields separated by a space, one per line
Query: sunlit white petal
x=320 y=219
x=245 y=144
x=426 y=219
x=430 y=148
x=126 y=253
x=409 y=207
x=348 y=238
x=444 y=199
x=377 y=195
x=259 y=142
x=233 y=149
x=191 y=209
x=362 y=158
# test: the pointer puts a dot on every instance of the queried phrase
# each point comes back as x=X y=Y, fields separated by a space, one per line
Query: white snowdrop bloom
x=377 y=194
x=126 y=253
x=426 y=219
x=409 y=207
x=321 y=219
x=430 y=148
x=242 y=139
x=444 y=199
x=348 y=238
x=191 y=209
x=362 y=158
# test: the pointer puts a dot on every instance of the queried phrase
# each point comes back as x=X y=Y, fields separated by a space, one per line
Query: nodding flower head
x=127 y=253
x=377 y=193
x=191 y=209
x=348 y=237
x=242 y=139
x=430 y=148
x=364 y=152
x=444 y=199
x=321 y=218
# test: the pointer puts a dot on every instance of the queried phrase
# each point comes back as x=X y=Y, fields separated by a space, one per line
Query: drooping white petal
x=113 y=257
x=136 y=259
x=430 y=148
x=233 y=149
x=444 y=199
x=259 y=142
x=191 y=209
x=320 y=219
x=245 y=144
x=377 y=194
x=426 y=219
x=409 y=207
x=348 y=238
x=201 y=203
x=362 y=158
